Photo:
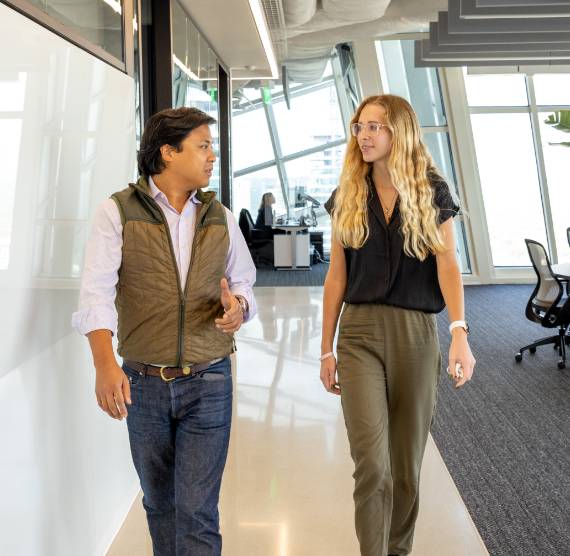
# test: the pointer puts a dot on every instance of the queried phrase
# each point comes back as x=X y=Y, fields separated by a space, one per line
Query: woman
x=264 y=220
x=393 y=264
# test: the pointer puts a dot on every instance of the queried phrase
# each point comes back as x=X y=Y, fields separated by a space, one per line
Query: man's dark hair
x=167 y=127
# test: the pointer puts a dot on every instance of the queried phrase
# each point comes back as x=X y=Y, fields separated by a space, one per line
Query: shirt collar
x=155 y=192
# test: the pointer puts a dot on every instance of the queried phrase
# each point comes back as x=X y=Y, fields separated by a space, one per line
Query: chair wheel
x=561 y=365
x=532 y=350
x=518 y=357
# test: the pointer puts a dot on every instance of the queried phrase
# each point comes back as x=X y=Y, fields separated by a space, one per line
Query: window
x=552 y=89
x=556 y=149
x=522 y=147
x=316 y=175
x=253 y=142
x=421 y=88
x=496 y=90
x=509 y=183
x=249 y=188
x=287 y=151
x=314 y=119
x=439 y=147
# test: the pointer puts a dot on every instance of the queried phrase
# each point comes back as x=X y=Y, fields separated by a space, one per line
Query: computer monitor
x=300 y=192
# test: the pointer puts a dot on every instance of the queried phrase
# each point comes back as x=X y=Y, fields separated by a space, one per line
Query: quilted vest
x=162 y=320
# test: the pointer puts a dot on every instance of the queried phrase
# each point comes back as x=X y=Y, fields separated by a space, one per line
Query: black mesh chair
x=546 y=305
x=259 y=244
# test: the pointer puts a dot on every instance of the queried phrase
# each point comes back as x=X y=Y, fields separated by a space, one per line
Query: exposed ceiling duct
x=312 y=28
x=498 y=32
x=299 y=12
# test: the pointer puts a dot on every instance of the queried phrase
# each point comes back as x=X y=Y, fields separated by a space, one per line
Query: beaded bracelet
x=324 y=356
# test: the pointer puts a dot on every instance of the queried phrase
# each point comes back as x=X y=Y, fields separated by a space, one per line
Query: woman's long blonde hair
x=409 y=164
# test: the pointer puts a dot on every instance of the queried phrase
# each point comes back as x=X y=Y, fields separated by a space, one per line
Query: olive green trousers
x=389 y=363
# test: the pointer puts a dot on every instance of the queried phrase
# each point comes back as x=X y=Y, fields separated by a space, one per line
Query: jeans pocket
x=218 y=371
x=133 y=376
x=212 y=376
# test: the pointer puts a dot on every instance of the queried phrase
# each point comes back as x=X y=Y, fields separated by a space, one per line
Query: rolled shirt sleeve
x=101 y=272
x=240 y=270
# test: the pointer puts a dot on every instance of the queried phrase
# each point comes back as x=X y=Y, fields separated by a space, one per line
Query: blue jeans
x=179 y=433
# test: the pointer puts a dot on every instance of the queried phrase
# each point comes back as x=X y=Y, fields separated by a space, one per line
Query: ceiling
x=229 y=27
x=303 y=32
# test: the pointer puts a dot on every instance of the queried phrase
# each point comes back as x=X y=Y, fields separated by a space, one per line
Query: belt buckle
x=165 y=378
x=186 y=371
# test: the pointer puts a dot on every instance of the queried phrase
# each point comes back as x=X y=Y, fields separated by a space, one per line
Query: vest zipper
x=181 y=333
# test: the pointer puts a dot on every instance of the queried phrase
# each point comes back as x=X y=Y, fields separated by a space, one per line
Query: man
x=167 y=267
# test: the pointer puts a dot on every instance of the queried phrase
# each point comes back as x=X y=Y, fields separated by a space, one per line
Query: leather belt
x=169 y=373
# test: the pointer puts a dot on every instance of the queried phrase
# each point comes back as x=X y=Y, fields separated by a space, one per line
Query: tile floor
x=287 y=487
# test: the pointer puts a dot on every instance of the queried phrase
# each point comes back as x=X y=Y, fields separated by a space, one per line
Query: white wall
x=66 y=142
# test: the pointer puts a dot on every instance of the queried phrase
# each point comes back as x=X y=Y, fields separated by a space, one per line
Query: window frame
x=488 y=272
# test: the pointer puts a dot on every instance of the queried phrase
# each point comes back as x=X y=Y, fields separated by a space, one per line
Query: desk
x=562 y=271
x=292 y=250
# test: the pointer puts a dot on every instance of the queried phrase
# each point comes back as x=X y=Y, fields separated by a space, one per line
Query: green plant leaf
x=560 y=121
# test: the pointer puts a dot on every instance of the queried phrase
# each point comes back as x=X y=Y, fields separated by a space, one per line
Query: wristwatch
x=243 y=304
x=459 y=324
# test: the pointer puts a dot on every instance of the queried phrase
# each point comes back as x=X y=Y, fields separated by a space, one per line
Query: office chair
x=259 y=244
x=544 y=305
x=568 y=281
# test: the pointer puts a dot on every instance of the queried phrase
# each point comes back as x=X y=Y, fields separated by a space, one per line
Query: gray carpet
x=505 y=436
x=278 y=278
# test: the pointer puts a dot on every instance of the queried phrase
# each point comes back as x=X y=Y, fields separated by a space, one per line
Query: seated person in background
x=264 y=219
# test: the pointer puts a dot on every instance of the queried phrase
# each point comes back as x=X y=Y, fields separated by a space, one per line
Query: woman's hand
x=460 y=355
x=329 y=375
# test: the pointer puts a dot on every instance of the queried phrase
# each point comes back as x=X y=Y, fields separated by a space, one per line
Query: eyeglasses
x=373 y=128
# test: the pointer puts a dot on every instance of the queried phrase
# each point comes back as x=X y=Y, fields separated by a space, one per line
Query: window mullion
x=342 y=95
x=542 y=179
x=268 y=108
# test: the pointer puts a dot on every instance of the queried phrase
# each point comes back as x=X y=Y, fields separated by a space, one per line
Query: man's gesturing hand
x=233 y=314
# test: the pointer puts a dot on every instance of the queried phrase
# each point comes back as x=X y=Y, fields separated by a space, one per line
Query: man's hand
x=233 y=314
x=113 y=390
